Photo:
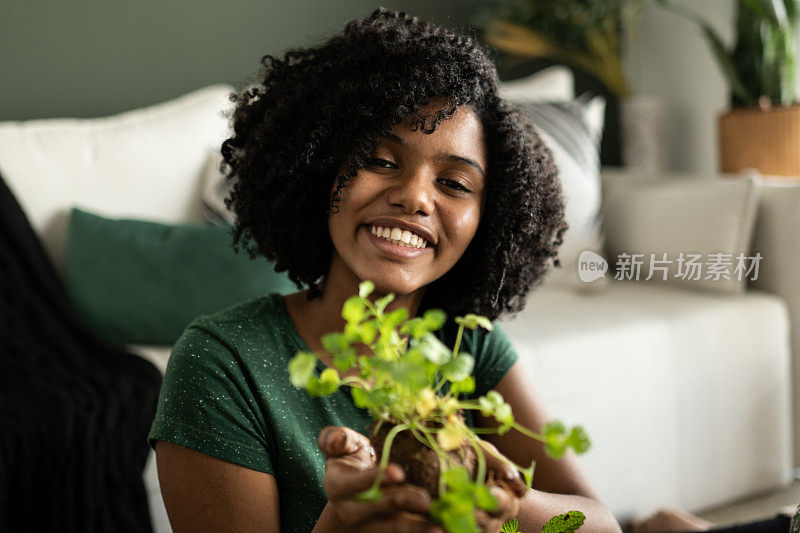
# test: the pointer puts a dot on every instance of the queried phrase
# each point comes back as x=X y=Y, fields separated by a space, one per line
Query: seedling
x=412 y=386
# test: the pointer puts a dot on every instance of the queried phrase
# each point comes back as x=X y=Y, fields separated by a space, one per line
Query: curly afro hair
x=314 y=119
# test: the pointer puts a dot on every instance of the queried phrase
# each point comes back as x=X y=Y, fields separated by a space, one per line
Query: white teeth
x=404 y=238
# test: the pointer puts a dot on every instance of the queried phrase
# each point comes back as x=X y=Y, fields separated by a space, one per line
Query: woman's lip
x=394 y=249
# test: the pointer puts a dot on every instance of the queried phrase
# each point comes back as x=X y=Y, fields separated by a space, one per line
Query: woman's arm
x=559 y=485
x=202 y=493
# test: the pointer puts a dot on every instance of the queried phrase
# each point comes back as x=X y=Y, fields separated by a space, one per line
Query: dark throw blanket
x=74 y=409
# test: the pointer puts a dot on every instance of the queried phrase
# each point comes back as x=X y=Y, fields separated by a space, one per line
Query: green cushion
x=141 y=282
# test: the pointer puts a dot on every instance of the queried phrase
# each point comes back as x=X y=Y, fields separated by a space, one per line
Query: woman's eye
x=454 y=185
x=380 y=163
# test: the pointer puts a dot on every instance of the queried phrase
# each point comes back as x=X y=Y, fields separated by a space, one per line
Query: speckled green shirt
x=226 y=393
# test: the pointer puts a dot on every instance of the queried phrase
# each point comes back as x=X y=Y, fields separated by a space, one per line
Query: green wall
x=87 y=58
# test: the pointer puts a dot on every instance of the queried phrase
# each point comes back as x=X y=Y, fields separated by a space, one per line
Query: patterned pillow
x=572 y=130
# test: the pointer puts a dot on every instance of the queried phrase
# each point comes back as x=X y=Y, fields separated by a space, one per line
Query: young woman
x=383 y=154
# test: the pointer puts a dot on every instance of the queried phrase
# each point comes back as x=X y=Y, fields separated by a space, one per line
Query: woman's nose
x=414 y=193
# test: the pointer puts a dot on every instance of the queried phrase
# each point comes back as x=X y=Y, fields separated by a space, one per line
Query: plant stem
x=387 y=445
x=528 y=432
x=435 y=447
x=355 y=379
x=475 y=442
x=458 y=340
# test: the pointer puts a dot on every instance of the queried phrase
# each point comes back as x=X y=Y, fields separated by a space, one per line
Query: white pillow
x=572 y=130
x=701 y=217
x=553 y=84
x=141 y=164
x=214 y=190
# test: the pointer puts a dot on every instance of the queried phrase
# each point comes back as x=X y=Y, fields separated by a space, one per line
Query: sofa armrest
x=777 y=239
x=775 y=235
x=688 y=230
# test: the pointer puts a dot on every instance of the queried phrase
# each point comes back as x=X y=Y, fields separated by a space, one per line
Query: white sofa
x=685 y=393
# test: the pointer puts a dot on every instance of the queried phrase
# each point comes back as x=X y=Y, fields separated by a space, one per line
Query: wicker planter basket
x=765 y=139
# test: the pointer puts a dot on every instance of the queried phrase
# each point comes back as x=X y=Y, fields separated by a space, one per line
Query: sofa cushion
x=141 y=164
x=572 y=131
x=142 y=282
x=552 y=84
x=684 y=394
x=704 y=226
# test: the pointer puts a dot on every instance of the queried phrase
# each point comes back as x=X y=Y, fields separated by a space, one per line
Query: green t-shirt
x=226 y=393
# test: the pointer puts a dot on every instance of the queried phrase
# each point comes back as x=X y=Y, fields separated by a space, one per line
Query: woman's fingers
x=343 y=479
x=504 y=471
x=507 y=503
x=408 y=499
x=335 y=441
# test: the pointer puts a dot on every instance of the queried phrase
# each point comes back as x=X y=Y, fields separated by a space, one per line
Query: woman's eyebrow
x=392 y=137
x=440 y=157
x=464 y=160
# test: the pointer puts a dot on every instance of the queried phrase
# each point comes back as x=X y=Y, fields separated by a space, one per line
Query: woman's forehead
x=461 y=134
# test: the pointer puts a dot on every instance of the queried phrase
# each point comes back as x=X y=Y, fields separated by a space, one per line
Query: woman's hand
x=350 y=468
x=506 y=485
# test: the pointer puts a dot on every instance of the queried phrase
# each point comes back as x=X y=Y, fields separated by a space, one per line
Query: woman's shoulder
x=251 y=328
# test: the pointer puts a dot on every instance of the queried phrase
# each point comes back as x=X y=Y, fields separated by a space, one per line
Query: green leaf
x=555 y=445
x=724 y=58
x=511 y=526
x=527 y=474
x=578 y=440
x=773 y=11
x=335 y=343
x=394 y=319
x=368 y=331
x=557 y=439
x=564 y=523
x=325 y=385
x=489 y=403
x=415 y=327
x=484 y=498
x=360 y=398
x=464 y=386
x=365 y=288
x=301 y=368
x=353 y=310
x=473 y=321
x=457 y=478
x=433 y=349
x=458 y=368
x=344 y=361
x=381 y=304
x=434 y=319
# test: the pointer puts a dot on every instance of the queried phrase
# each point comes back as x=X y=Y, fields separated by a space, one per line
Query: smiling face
x=431 y=184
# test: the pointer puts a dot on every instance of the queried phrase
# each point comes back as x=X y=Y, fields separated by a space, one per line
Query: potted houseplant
x=762 y=128
x=587 y=35
x=582 y=33
x=411 y=385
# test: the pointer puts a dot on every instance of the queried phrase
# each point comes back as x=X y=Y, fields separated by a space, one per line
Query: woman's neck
x=323 y=314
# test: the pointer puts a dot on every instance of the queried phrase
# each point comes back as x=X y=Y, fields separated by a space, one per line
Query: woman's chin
x=383 y=287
